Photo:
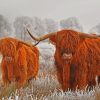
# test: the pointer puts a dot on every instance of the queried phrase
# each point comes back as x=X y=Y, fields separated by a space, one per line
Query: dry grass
x=46 y=85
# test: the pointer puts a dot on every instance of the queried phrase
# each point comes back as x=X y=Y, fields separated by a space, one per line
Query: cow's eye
x=62 y=51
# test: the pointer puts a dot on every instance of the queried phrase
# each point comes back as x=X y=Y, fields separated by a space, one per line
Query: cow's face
x=66 y=43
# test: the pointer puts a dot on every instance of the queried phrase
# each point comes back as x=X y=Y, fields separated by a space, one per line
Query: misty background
x=43 y=16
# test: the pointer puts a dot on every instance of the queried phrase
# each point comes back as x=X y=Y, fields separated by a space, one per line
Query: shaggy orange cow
x=27 y=62
x=20 y=61
x=77 y=57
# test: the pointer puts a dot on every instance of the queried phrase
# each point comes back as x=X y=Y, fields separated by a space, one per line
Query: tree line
x=38 y=26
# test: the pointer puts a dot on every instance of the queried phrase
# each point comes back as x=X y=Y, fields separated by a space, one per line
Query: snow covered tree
x=38 y=26
x=71 y=23
x=51 y=25
x=5 y=27
x=19 y=25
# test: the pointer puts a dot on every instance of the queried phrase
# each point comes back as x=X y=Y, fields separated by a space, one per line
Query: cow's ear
x=84 y=35
x=52 y=39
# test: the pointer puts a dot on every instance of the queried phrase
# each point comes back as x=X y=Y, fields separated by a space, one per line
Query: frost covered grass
x=46 y=85
x=47 y=89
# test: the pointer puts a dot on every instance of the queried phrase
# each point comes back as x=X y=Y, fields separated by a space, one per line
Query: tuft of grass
x=7 y=90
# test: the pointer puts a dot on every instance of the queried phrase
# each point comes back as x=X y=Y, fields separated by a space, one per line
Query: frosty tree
x=51 y=25
x=19 y=25
x=5 y=27
x=38 y=26
x=95 y=29
x=71 y=23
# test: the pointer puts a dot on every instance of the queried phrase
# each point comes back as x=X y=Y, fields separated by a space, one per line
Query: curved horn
x=42 y=37
x=84 y=35
x=37 y=43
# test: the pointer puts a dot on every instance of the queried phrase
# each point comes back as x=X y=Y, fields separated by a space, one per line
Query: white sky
x=87 y=11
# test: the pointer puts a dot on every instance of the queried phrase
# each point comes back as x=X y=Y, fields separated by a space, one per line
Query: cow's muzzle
x=66 y=56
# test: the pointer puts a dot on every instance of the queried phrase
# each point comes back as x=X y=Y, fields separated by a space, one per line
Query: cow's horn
x=42 y=37
x=84 y=35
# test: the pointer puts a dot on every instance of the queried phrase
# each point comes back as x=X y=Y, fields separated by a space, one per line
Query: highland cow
x=20 y=61
x=77 y=57
x=8 y=51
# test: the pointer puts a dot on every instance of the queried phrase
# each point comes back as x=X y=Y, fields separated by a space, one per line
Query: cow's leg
x=91 y=83
x=78 y=77
x=4 y=72
x=92 y=76
x=98 y=74
x=21 y=75
x=32 y=69
x=73 y=74
x=10 y=68
x=66 y=76
x=91 y=80
x=21 y=67
x=82 y=81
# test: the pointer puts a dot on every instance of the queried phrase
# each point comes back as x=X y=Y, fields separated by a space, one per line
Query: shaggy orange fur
x=32 y=56
x=20 y=61
x=7 y=67
x=84 y=65
x=20 y=69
